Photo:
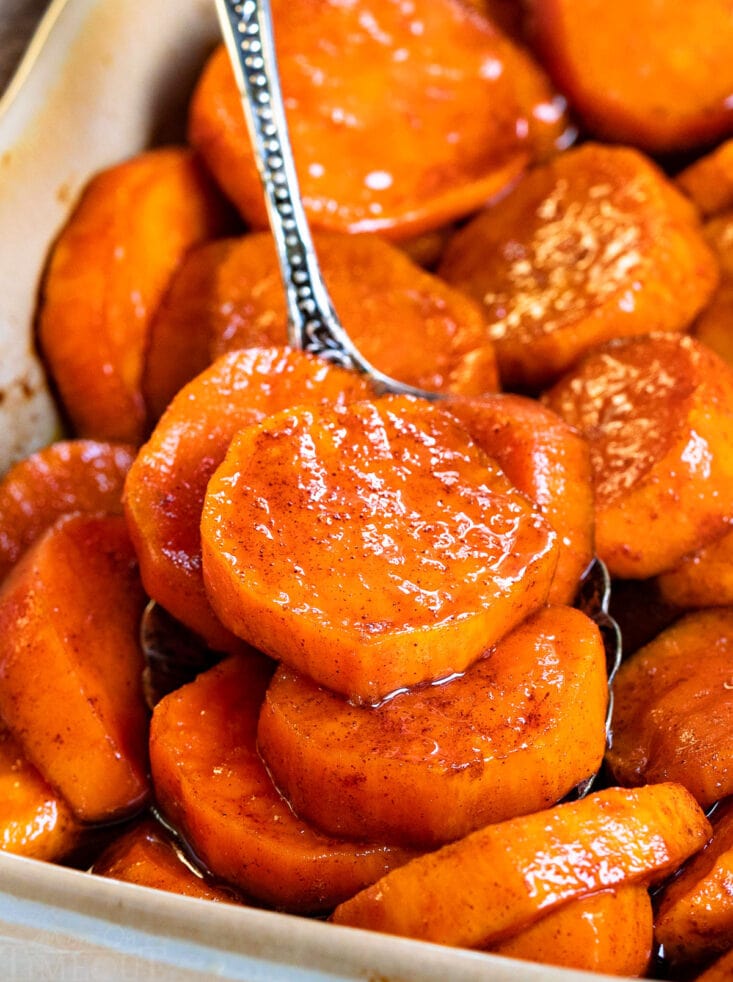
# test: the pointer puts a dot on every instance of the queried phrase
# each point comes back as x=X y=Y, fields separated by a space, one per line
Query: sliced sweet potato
x=714 y=326
x=594 y=245
x=550 y=462
x=709 y=180
x=34 y=820
x=503 y=878
x=406 y=322
x=148 y=856
x=673 y=707
x=371 y=546
x=371 y=90
x=610 y=931
x=72 y=475
x=702 y=579
x=212 y=785
x=71 y=664
x=695 y=914
x=658 y=414
x=632 y=69
x=431 y=765
x=165 y=489
x=107 y=273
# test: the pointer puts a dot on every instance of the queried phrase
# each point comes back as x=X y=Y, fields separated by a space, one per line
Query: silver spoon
x=313 y=324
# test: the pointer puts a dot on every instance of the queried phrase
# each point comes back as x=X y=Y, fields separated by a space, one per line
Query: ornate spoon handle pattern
x=313 y=324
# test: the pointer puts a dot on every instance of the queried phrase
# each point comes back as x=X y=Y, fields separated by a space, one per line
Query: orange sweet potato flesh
x=371 y=546
x=148 y=856
x=486 y=887
x=702 y=579
x=212 y=785
x=709 y=180
x=371 y=90
x=433 y=764
x=107 y=273
x=632 y=69
x=658 y=414
x=164 y=492
x=695 y=915
x=550 y=462
x=71 y=475
x=407 y=323
x=34 y=820
x=609 y=931
x=70 y=664
x=673 y=707
x=596 y=244
x=714 y=325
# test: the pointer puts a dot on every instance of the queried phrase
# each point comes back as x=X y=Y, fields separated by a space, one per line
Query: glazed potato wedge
x=709 y=180
x=610 y=931
x=431 y=765
x=406 y=322
x=106 y=275
x=371 y=546
x=71 y=665
x=594 y=245
x=34 y=820
x=672 y=708
x=486 y=887
x=632 y=71
x=550 y=462
x=695 y=915
x=658 y=413
x=212 y=785
x=165 y=489
x=147 y=855
x=370 y=146
x=72 y=475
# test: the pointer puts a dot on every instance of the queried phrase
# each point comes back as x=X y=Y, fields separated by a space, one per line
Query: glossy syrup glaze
x=410 y=536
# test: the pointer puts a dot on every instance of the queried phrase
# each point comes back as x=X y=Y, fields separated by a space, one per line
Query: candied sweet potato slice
x=695 y=914
x=71 y=664
x=709 y=180
x=658 y=414
x=71 y=475
x=503 y=878
x=632 y=69
x=34 y=820
x=406 y=322
x=148 y=856
x=596 y=244
x=107 y=273
x=550 y=462
x=714 y=326
x=433 y=764
x=609 y=931
x=164 y=492
x=673 y=707
x=212 y=785
x=701 y=579
x=370 y=546
x=371 y=90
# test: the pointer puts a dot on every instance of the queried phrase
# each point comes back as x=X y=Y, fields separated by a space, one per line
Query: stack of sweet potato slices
x=403 y=700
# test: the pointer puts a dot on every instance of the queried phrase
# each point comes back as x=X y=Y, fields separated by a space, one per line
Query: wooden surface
x=18 y=19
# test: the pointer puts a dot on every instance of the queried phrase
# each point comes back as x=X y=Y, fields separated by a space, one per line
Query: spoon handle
x=313 y=325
